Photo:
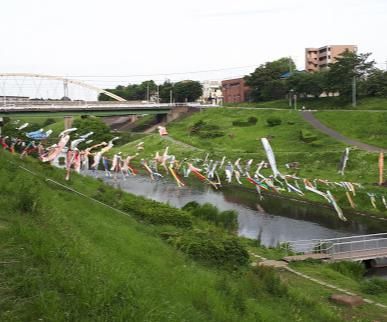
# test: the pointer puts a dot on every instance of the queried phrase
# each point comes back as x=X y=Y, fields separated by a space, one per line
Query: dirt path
x=311 y=119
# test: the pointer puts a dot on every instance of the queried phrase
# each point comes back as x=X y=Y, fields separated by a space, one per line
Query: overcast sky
x=129 y=37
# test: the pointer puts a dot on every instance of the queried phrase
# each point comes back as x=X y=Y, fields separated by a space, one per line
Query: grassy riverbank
x=64 y=257
x=322 y=103
x=364 y=126
x=317 y=159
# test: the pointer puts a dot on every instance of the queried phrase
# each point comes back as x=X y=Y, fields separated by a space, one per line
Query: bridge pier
x=68 y=122
x=175 y=113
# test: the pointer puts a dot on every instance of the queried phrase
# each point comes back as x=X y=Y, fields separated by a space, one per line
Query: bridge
x=13 y=104
x=352 y=248
x=97 y=108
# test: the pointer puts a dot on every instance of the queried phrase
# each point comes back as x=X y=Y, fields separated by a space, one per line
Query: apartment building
x=234 y=90
x=320 y=58
x=212 y=92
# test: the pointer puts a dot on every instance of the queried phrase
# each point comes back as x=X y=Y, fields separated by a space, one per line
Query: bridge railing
x=359 y=248
x=334 y=245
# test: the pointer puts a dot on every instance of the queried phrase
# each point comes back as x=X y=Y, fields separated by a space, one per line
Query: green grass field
x=65 y=258
x=367 y=127
x=322 y=103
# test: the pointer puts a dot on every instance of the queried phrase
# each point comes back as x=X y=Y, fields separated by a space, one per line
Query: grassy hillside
x=318 y=159
x=65 y=258
x=322 y=103
x=364 y=126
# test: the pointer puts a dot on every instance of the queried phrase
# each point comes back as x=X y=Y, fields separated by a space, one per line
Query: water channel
x=273 y=220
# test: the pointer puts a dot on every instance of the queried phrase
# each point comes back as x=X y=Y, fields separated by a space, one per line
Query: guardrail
x=343 y=247
x=94 y=104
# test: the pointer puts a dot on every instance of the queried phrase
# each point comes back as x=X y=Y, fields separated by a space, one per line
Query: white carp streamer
x=270 y=157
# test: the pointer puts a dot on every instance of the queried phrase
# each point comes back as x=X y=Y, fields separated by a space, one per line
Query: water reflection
x=272 y=219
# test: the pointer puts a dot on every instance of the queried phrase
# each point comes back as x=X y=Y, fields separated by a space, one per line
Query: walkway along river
x=272 y=220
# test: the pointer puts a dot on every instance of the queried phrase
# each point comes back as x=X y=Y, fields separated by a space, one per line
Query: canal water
x=272 y=220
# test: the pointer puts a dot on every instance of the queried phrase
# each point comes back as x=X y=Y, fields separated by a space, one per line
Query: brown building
x=319 y=58
x=234 y=90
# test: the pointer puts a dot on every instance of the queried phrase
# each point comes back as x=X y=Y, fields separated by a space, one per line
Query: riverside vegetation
x=227 y=132
x=65 y=257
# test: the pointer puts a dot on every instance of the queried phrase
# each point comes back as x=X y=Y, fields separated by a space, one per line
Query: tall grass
x=70 y=259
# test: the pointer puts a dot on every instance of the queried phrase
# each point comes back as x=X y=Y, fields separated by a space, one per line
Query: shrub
x=207 y=211
x=205 y=131
x=157 y=213
x=226 y=219
x=210 y=134
x=307 y=136
x=270 y=280
x=317 y=144
x=350 y=269
x=374 y=286
x=240 y=123
x=273 y=121
x=190 y=206
x=252 y=120
x=212 y=248
x=48 y=121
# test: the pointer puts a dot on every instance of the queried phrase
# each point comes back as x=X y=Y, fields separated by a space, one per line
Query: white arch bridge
x=15 y=99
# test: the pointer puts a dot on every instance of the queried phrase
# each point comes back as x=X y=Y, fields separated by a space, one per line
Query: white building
x=212 y=93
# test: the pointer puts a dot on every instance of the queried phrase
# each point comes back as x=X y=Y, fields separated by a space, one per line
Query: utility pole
x=354 y=91
x=147 y=92
x=170 y=96
x=158 y=94
x=290 y=65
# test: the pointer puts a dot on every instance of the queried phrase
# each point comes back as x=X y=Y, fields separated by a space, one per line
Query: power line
x=164 y=74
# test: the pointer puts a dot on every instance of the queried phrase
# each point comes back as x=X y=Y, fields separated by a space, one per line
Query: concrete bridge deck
x=109 y=108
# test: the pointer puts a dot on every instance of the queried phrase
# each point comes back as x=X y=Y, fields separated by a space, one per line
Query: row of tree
x=184 y=91
x=274 y=80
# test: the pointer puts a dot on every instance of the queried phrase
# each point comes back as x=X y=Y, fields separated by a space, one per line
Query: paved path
x=311 y=119
x=185 y=145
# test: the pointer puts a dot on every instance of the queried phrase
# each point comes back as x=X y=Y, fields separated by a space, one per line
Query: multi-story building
x=320 y=58
x=212 y=92
x=235 y=90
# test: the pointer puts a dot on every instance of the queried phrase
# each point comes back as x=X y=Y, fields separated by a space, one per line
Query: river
x=272 y=220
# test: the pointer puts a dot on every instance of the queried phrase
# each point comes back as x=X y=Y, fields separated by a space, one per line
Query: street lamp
x=295 y=101
x=290 y=97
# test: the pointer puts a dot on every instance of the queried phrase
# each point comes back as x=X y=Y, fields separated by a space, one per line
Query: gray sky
x=129 y=37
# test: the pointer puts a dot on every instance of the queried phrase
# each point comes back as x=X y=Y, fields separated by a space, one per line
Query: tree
x=165 y=91
x=187 y=90
x=265 y=82
x=349 y=66
x=376 y=83
x=132 y=92
x=306 y=84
